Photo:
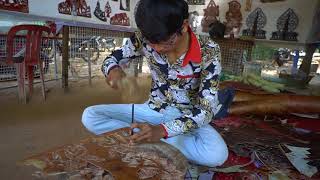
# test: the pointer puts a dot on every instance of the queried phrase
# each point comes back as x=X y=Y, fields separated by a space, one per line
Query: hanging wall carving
x=75 y=7
x=286 y=24
x=99 y=13
x=107 y=9
x=120 y=19
x=125 y=6
x=255 y=23
x=196 y=2
x=210 y=16
x=234 y=18
x=15 y=5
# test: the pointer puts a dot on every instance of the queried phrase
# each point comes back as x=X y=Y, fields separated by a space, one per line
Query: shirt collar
x=194 y=52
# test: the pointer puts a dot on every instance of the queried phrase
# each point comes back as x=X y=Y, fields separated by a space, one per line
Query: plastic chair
x=26 y=61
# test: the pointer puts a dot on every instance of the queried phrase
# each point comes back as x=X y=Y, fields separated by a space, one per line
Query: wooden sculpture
x=110 y=156
x=15 y=5
x=234 y=18
x=210 y=16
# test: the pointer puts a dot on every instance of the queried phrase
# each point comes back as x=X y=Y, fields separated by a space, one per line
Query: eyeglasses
x=168 y=43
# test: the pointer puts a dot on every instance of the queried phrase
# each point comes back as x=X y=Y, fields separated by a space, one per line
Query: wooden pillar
x=65 y=57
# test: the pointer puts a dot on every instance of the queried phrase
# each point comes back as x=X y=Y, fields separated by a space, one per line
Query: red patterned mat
x=259 y=140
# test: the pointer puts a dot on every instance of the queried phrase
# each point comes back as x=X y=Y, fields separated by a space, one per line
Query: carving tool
x=132 y=118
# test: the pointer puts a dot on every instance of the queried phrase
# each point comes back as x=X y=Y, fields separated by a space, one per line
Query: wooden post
x=65 y=57
x=89 y=61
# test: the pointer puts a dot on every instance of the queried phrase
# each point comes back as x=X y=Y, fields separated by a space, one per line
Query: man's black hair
x=216 y=30
x=159 y=19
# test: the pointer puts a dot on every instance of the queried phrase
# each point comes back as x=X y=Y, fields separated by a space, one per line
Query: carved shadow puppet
x=210 y=16
x=109 y=156
x=255 y=23
x=75 y=7
x=234 y=18
x=196 y=2
x=15 y=5
x=126 y=7
x=286 y=24
x=99 y=13
x=107 y=9
x=120 y=19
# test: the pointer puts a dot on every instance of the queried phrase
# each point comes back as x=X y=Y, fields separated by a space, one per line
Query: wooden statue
x=234 y=18
x=210 y=16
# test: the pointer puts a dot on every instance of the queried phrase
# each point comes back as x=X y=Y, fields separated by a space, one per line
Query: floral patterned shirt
x=190 y=84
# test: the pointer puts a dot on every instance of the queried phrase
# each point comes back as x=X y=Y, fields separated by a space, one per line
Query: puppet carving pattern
x=15 y=5
x=234 y=18
x=76 y=7
x=110 y=155
x=99 y=13
x=120 y=19
x=255 y=23
x=210 y=16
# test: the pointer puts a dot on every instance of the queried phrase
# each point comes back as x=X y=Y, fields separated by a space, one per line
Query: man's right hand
x=114 y=77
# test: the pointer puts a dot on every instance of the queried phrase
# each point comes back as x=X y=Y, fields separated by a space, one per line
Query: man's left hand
x=147 y=133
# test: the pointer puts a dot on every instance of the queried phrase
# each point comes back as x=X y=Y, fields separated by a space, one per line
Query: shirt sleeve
x=207 y=103
x=130 y=50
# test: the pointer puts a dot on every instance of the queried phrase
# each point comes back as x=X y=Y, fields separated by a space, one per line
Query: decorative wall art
x=255 y=23
x=286 y=24
x=125 y=6
x=15 y=5
x=120 y=19
x=196 y=2
x=111 y=157
x=75 y=7
x=99 y=13
x=107 y=9
x=210 y=16
x=194 y=20
x=234 y=18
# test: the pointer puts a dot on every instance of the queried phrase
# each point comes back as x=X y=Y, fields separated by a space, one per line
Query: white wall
x=303 y=8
